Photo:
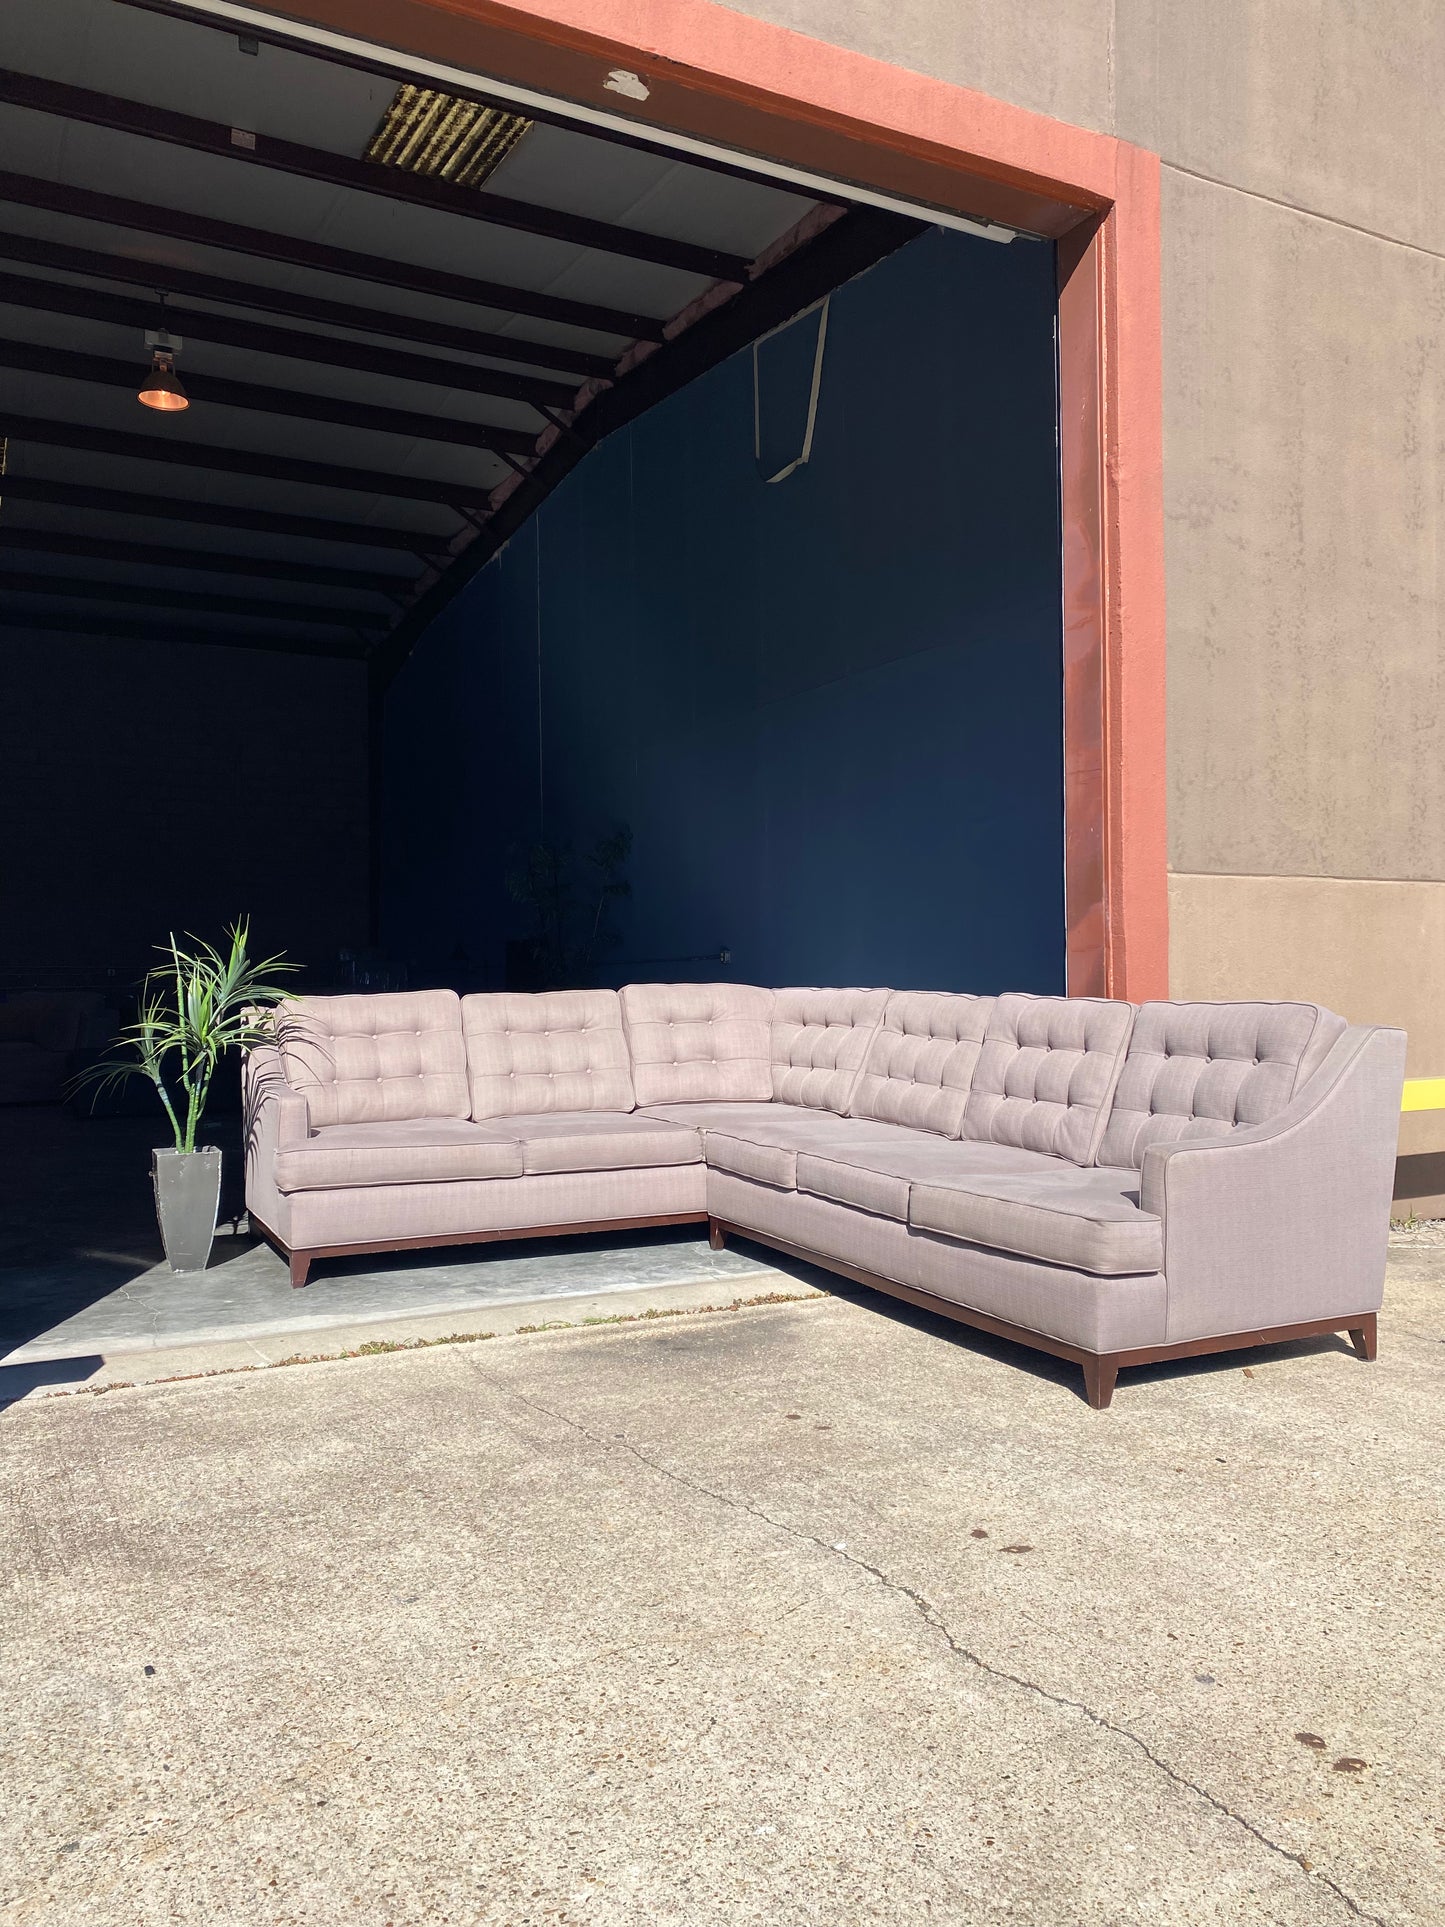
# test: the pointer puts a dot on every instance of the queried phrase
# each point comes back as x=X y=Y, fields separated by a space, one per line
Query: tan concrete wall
x=1305 y=493
x=1304 y=312
x=1360 y=946
x=1054 y=56
x=1374 y=951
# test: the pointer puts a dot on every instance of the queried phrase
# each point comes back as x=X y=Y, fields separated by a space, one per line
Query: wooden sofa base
x=1101 y=1369
x=302 y=1261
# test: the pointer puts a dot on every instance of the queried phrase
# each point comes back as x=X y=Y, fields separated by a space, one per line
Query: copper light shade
x=162 y=388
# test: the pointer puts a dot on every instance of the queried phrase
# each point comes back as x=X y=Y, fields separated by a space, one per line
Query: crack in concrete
x=936 y=1623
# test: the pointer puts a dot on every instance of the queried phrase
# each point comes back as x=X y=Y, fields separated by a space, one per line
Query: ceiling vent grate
x=448 y=139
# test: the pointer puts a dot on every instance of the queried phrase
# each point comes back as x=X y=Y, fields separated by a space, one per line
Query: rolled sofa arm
x=274 y=1118
x=1287 y=1221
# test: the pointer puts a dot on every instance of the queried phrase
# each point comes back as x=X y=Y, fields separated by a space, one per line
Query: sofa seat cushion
x=764 y=1141
x=598 y=1141
x=878 y=1176
x=412 y=1150
x=730 y=1117
x=1085 y=1218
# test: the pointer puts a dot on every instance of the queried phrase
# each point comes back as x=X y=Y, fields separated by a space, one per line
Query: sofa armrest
x=1286 y=1221
x=274 y=1118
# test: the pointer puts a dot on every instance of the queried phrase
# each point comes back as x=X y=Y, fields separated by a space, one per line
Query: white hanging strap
x=807 y=448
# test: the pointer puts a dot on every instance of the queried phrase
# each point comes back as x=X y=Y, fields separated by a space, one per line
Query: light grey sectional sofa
x=1111 y=1184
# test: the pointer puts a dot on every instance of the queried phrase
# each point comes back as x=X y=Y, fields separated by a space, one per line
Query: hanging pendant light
x=163 y=389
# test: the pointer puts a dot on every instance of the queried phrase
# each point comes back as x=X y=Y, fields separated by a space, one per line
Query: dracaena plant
x=193 y=1008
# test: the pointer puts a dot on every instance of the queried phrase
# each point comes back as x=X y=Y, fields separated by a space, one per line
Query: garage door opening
x=798 y=628
x=546 y=470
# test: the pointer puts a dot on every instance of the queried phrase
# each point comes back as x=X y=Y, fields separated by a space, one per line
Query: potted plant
x=193 y=1008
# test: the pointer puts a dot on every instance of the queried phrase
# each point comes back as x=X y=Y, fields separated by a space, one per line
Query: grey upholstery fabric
x=768 y=1163
x=273 y=1118
x=736 y=1119
x=766 y=1144
x=920 y=1061
x=1244 y=1181
x=1077 y=1307
x=552 y=1050
x=1196 y=1070
x=1046 y=1074
x=820 y=1039
x=878 y=1176
x=410 y=1150
x=696 y=1043
x=1088 y=1219
x=597 y=1141
x=1277 y=1223
x=548 y=1200
x=369 y=1059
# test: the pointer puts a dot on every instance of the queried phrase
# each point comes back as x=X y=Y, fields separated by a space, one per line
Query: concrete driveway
x=809 y=1613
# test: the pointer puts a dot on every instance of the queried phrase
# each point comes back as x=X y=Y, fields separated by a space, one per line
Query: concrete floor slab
x=86 y=1296
x=246 y=1292
x=814 y=1613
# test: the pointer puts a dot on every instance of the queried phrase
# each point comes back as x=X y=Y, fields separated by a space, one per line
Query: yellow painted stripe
x=1424 y=1094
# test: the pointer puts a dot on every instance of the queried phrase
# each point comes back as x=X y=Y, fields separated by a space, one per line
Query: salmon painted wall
x=830 y=708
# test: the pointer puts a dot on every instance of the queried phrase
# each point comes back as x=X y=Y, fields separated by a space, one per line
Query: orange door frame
x=720 y=76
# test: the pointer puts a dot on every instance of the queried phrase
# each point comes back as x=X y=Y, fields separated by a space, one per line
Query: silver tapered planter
x=188 y=1195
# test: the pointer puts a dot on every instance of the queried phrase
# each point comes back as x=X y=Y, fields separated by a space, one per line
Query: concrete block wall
x=1304 y=354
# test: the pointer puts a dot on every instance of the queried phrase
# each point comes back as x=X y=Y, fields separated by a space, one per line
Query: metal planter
x=188 y=1194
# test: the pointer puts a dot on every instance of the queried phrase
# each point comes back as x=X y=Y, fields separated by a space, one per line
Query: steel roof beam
x=853 y=244
x=236 y=461
x=262 y=337
x=38 y=358
x=398 y=70
x=360 y=176
x=28 y=190
x=257 y=296
x=206 y=561
x=82 y=588
x=220 y=515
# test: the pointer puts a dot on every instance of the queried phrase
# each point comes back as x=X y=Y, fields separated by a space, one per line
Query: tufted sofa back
x=820 y=1039
x=1047 y=1072
x=698 y=1043
x=550 y=1050
x=374 y=1058
x=1199 y=1070
x=921 y=1060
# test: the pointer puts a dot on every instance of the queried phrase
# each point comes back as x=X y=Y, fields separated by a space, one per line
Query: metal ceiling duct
x=446 y=138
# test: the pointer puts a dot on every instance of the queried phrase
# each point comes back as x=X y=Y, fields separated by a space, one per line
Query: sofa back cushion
x=375 y=1058
x=920 y=1062
x=546 y=1050
x=1046 y=1074
x=820 y=1039
x=1199 y=1070
x=698 y=1043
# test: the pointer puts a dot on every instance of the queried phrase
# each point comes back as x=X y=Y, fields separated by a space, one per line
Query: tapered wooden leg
x=1100 y=1372
x=300 y=1266
x=716 y=1236
x=1363 y=1337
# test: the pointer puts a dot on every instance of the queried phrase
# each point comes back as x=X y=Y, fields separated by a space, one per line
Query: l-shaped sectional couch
x=1110 y=1183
